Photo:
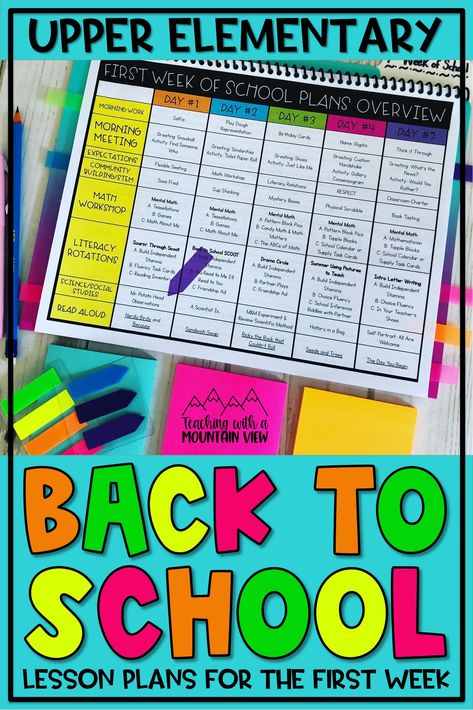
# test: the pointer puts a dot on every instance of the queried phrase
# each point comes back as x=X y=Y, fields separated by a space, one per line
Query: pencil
x=2 y=241
x=11 y=349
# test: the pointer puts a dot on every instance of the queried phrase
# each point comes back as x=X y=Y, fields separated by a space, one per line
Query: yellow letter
x=343 y=640
x=171 y=483
x=46 y=592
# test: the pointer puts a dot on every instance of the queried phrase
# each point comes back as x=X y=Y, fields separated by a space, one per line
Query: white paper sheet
x=324 y=207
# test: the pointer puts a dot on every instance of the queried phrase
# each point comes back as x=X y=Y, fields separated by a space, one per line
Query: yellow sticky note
x=45 y=413
x=331 y=423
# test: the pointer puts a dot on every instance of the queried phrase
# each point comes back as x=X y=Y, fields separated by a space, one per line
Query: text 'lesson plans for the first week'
x=257 y=215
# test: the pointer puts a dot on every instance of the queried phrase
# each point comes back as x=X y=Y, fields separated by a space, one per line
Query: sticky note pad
x=214 y=412
x=75 y=364
x=331 y=423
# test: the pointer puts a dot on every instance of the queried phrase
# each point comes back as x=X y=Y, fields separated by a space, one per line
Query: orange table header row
x=183 y=101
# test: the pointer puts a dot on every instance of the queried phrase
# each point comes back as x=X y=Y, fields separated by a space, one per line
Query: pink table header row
x=363 y=126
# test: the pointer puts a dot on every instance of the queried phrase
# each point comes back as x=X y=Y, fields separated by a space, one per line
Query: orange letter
x=46 y=491
x=185 y=608
x=346 y=481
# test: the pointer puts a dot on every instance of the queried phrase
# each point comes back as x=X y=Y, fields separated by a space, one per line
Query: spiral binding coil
x=348 y=78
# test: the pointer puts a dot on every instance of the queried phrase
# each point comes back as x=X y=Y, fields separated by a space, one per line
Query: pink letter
x=123 y=584
x=234 y=508
x=408 y=641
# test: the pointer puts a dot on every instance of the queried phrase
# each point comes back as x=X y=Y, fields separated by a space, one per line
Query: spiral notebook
x=266 y=216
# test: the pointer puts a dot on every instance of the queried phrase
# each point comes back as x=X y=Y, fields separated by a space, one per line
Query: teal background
x=305 y=547
x=301 y=541
x=444 y=46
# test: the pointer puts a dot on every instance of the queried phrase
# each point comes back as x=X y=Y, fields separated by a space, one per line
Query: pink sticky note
x=446 y=374
x=214 y=412
x=452 y=294
x=30 y=292
x=80 y=449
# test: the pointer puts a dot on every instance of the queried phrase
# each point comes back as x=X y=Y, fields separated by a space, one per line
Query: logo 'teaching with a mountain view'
x=214 y=405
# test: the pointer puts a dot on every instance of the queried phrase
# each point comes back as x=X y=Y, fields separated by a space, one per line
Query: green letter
x=262 y=638
x=398 y=532
x=113 y=499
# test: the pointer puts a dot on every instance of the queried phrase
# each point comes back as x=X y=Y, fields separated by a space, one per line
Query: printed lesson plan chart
x=322 y=225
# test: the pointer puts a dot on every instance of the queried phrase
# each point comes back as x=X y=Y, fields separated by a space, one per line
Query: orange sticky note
x=55 y=435
x=331 y=423
x=450 y=335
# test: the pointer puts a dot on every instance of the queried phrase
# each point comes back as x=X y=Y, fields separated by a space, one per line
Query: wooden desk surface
x=437 y=429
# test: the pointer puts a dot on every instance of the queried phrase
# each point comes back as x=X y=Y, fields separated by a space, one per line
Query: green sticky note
x=33 y=391
x=63 y=99
x=308 y=119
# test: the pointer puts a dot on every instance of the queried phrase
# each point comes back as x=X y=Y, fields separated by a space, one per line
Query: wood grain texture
x=438 y=420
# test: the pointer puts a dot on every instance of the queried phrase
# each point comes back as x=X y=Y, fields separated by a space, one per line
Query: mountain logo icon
x=213 y=396
x=233 y=403
x=193 y=404
x=252 y=397
x=213 y=402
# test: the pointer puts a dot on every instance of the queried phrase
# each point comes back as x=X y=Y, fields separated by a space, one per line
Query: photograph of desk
x=437 y=430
